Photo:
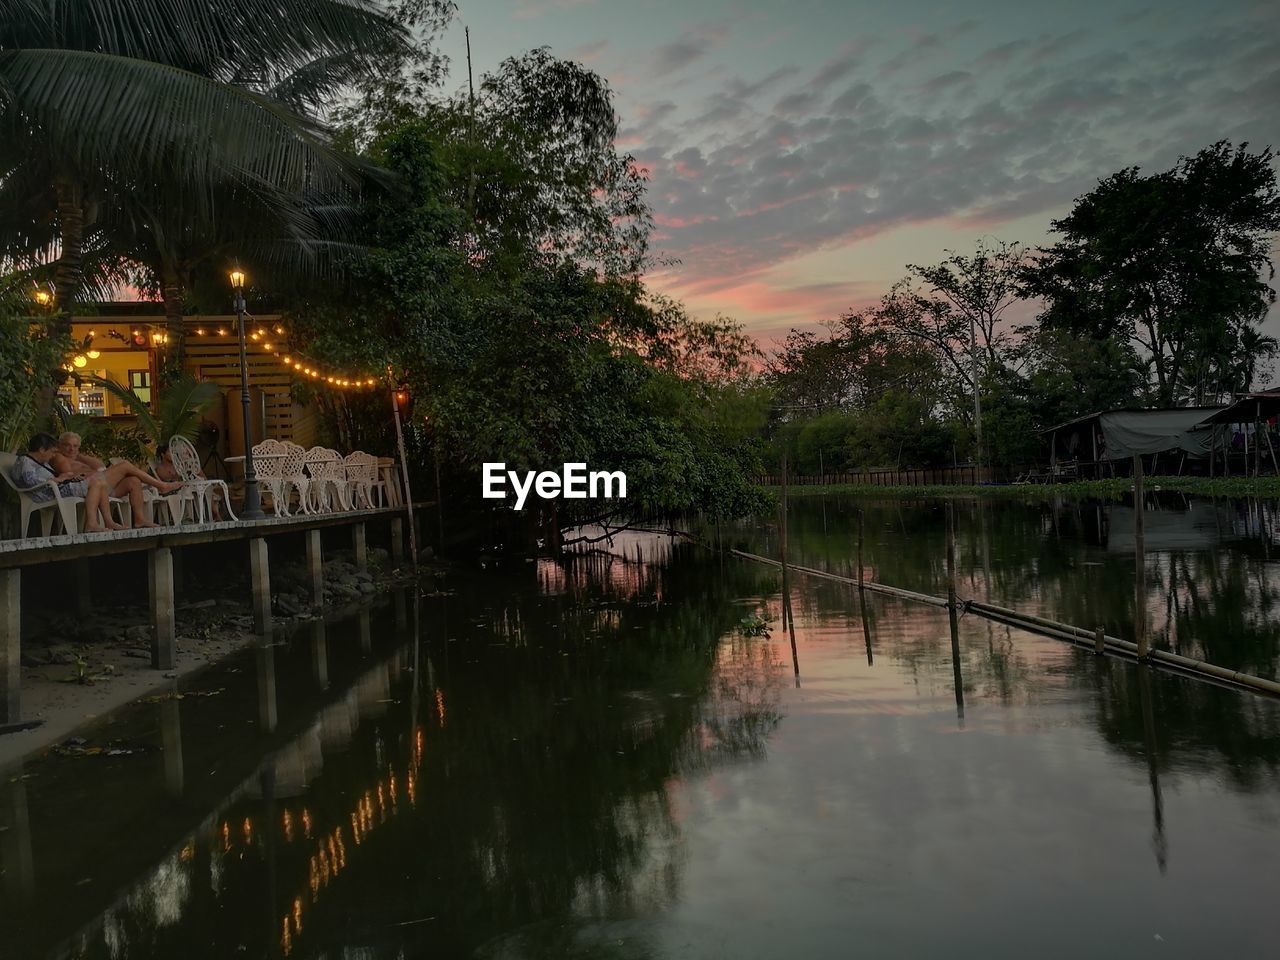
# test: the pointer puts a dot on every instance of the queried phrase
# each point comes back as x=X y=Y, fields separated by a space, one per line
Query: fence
x=944 y=476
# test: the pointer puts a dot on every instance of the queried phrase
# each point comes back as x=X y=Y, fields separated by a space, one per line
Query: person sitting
x=165 y=469
x=123 y=478
x=33 y=470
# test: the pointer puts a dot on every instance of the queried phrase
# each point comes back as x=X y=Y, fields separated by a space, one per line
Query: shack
x=1091 y=445
x=1242 y=434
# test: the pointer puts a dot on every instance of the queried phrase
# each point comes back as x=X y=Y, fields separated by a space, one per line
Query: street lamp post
x=252 y=509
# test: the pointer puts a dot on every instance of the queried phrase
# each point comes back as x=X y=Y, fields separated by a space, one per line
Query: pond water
x=593 y=758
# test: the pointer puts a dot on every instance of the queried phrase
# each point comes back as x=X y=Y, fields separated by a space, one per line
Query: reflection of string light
x=248 y=832
x=288 y=827
x=226 y=837
x=306 y=823
x=439 y=710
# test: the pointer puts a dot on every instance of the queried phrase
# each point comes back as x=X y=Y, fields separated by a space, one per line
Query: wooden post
x=359 y=546
x=397 y=540
x=782 y=548
x=260 y=581
x=1140 y=563
x=366 y=633
x=1100 y=641
x=315 y=567
x=408 y=494
x=163 y=629
x=15 y=842
x=952 y=613
x=10 y=645
x=860 y=535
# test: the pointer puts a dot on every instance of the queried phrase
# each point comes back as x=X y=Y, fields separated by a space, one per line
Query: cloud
x=697 y=42
x=754 y=175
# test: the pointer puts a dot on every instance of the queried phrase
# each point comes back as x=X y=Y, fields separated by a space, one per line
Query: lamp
x=252 y=499
x=93 y=354
x=80 y=361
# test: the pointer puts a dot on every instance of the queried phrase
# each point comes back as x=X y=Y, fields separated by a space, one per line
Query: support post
x=315 y=568
x=260 y=580
x=1100 y=641
x=320 y=654
x=10 y=645
x=1140 y=564
x=952 y=614
x=860 y=536
x=265 y=657
x=397 y=540
x=366 y=633
x=359 y=547
x=163 y=628
x=84 y=587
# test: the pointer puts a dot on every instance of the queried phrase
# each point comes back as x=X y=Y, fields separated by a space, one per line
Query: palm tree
x=199 y=105
x=178 y=411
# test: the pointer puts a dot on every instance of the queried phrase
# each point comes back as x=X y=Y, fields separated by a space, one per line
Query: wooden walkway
x=159 y=543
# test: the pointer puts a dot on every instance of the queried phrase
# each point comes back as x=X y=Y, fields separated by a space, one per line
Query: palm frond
x=181 y=402
x=137 y=407
x=150 y=122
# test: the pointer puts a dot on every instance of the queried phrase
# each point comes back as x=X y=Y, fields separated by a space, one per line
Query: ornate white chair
x=187 y=462
x=326 y=490
x=269 y=471
x=293 y=475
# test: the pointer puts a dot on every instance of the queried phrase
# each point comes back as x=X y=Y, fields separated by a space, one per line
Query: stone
x=138 y=633
x=61 y=653
x=198 y=605
x=367 y=587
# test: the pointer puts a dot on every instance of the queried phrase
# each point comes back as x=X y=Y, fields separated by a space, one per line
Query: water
x=590 y=760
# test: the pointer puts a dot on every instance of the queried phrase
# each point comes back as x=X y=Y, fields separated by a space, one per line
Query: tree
x=1176 y=263
x=196 y=105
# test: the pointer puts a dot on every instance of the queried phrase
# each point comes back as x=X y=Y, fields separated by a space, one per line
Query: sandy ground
x=64 y=706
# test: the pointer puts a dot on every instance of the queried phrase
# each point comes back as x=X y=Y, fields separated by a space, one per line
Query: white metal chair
x=293 y=475
x=327 y=487
x=187 y=462
x=269 y=471
x=60 y=507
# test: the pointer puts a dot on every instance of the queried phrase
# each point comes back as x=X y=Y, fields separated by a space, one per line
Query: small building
x=126 y=345
x=1090 y=446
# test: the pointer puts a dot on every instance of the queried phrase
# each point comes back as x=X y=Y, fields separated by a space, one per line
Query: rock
x=364 y=575
x=367 y=587
x=426 y=555
x=198 y=605
x=30 y=661
x=61 y=653
x=137 y=633
x=287 y=605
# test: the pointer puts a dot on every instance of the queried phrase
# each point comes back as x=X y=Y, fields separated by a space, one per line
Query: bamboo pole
x=952 y=615
x=782 y=545
x=1140 y=563
x=1053 y=628
x=408 y=494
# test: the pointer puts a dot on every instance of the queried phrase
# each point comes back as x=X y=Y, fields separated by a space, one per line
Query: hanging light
x=237 y=279
x=93 y=354
x=80 y=361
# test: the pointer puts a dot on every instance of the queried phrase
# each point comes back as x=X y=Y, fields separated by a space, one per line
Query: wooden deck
x=158 y=543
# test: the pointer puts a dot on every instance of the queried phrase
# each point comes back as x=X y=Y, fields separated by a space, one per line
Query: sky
x=803 y=152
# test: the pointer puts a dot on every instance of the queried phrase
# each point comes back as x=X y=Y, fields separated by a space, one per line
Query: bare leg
x=131 y=487
x=98 y=508
x=119 y=471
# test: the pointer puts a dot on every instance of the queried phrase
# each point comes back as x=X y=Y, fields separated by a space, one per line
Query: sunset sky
x=802 y=153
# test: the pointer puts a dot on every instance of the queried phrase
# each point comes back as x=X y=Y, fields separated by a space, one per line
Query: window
x=140 y=384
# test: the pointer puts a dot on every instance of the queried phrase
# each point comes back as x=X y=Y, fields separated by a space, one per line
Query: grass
x=1112 y=489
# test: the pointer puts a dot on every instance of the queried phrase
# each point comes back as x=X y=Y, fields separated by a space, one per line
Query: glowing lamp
x=93 y=354
x=43 y=297
x=80 y=361
x=237 y=279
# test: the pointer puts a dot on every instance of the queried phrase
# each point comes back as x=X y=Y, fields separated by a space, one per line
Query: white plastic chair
x=63 y=508
x=187 y=462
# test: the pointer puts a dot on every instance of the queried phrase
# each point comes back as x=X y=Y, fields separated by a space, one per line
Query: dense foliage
x=1152 y=297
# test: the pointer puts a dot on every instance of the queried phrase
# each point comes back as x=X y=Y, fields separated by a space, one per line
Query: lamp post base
x=252 y=509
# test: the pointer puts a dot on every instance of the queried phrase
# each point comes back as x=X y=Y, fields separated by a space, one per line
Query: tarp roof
x=1249 y=407
x=1129 y=432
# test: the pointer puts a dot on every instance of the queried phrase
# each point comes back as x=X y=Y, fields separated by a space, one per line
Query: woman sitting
x=164 y=468
x=123 y=479
x=34 y=471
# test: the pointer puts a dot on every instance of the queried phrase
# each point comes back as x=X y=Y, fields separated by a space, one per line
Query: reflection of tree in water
x=1061 y=560
x=544 y=760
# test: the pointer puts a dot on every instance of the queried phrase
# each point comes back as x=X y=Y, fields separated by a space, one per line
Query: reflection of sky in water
x=594 y=761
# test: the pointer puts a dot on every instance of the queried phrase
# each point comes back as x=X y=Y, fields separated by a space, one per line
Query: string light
x=261 y=336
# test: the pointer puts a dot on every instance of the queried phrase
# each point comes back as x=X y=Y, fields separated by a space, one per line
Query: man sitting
x=33 y=470
x=123 y=479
